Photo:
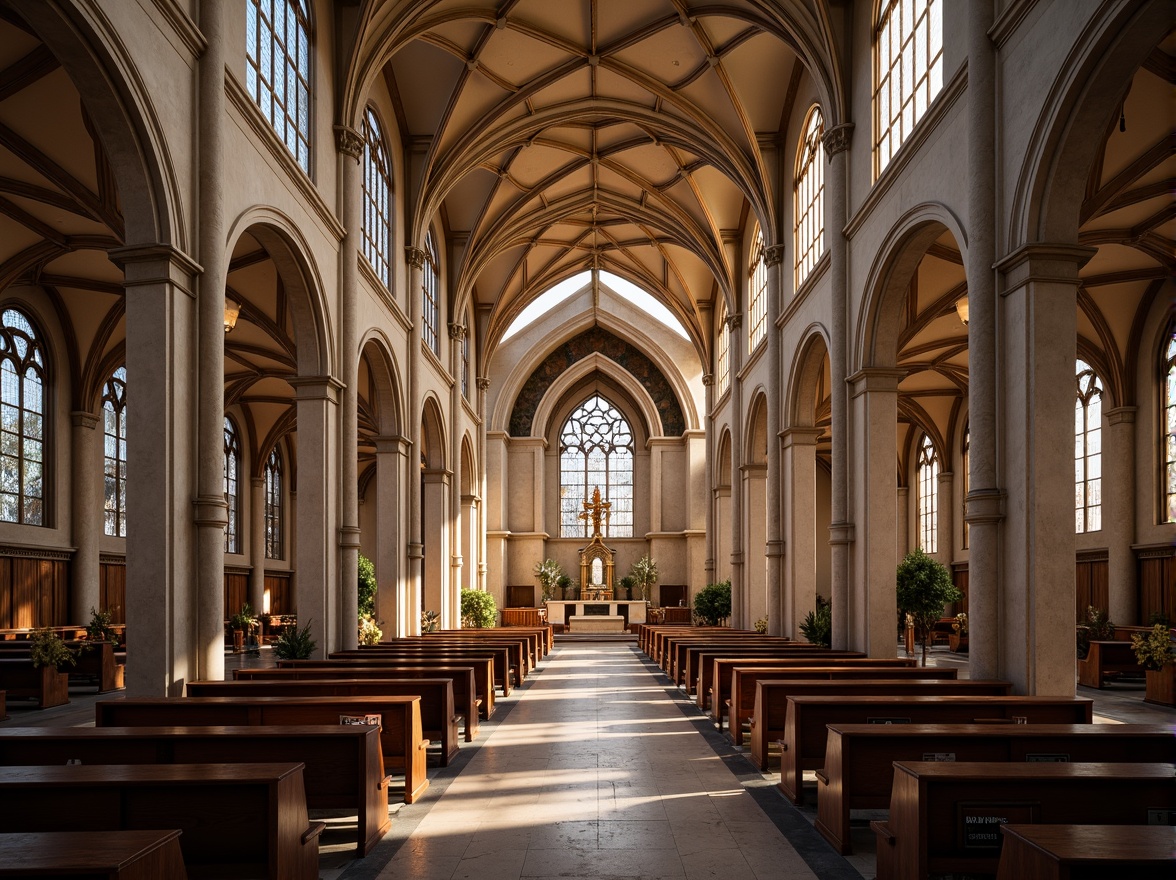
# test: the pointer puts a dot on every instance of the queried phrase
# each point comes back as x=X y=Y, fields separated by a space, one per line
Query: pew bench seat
x=1086 y=852
x=93 y=855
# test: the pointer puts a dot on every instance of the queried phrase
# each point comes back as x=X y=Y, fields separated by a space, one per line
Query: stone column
x=1118 y=512
x=211 y=510
x=985 y=501
x=86 y=516
x=873 y=609
x=836 y=142
x=945 y=519
x=1038 y=329
x=456 y=524
x=483 y=567
x=316 y=584
x=712 y=550
x=391 y=599
x=902 y=518
x=754 y=477
x=436 y=583
x=738 y=582
x=257 y=544
x=416 y=261
x=773 y=256
x=350 y=145
x=799 y=473
x=162 y=414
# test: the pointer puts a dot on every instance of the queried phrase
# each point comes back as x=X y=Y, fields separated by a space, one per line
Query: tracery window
x=966 y=455
x=377 y=198
x=723 y=353
x=431 y=301
x=596 y=450
x=1169 y=427
x=758 y=299
x=277 y=69
x=908 y=71
x=273 y=505
x=927 y=473
x=22 y=421
x=114 y=457
x=1088 y=451
x=809 y=200
x=232 y=487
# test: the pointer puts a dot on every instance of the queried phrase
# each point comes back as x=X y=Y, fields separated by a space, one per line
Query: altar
x=561 y=611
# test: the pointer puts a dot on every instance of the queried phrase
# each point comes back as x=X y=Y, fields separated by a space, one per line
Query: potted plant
x=294 y=643
x=478 y=609
x=626 y=587
x=817 y=627
x=548 y=572
x=761 y=625
x=100 y=629
x=241 y=623
x=644 y=572
x=1156 y=655
x=712 y=604
x=566 y=588
x=923 y=587
x=957 y=642
x=48 y=649
x=430 y=621
x=369 y=631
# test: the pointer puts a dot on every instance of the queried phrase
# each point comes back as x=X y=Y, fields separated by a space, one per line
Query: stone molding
x=54 y=553
x=841 y=533
x=734 y=322
x=984 y=506
x=457 y=331
x=837 y=139
x=1043 y=262
x=349 y=142
x=83 y=419
x=708 y=379
x=800 y=436
x=1121 y=415
x=415 y=257
x=773 y=255
x=874 y=379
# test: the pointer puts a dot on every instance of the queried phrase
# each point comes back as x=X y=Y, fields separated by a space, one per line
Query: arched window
x=757 y=301
x=966 y=456
x=277 y=69
x=596 y=450
x=465 y=360
x=273 y=505
x=114 y=414
x=377 y=198
x=1169 y=427
x=908 y=71
x=22 y=421
x=723 y=353
x=431 y=302
x=809 y=200
x=1088 y=451
x=232 y=487
x=927 y=472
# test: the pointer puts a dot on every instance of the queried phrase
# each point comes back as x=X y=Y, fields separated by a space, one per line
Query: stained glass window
x=1169 y=423
x=277 y=69
x=273 y=505
x=596 y=451
x=758 y=295
x=908 y=71
x=927 y=471
x=377 y=198
x=809 y=200
x=232 y=487
x=114 y=415
x=22 y=421
x=1088 y=451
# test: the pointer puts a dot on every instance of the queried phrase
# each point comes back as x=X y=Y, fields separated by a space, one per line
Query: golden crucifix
x=596 y=509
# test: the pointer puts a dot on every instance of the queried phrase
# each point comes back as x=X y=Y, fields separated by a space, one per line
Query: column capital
x=457 y=331
x=801 y=436
x=708 y=379
x=946 y=476
x=735 y=321
x=257 y=482
x=155 y=264
x=415 y=256
x=483 y=382
x=837 y=139
x=773 y=254
x=212 y=511
x=874 y=379
x=349 y=142
x=1043 y=262
x=392 y=443
x=1121 y=415
x=316 y=388
x=83 y=419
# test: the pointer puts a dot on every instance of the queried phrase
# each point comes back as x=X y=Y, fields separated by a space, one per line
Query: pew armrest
x=315 y=829
x=882 y=830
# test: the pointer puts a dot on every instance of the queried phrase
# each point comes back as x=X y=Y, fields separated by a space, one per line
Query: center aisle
x=595 y=772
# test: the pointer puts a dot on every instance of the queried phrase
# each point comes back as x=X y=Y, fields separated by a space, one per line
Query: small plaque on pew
x=376 y=720
x=1047 y=757
x=884 y=720
x=979 y=823
x=939 y=756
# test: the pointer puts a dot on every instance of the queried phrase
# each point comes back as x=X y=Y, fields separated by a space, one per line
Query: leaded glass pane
x=1088 y=449
x=596 y=451
x=22 y=424
x=908 y=52
x=277 y=70
x=1168 y=371
x=809 y=202
x=115 y=453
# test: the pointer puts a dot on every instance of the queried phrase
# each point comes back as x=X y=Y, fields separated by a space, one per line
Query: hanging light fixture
x=962 y=308
x=232 y=311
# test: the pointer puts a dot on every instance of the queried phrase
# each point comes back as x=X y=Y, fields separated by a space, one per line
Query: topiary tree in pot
x=712 y=604
x=478 y=609
x=923 y=587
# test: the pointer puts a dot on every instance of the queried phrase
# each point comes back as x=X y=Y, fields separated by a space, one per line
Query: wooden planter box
x=1161 y=686
x=958 y=644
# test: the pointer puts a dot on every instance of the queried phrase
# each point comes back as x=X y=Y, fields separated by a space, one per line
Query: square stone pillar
x=755 y=499
x=1038 y=343
x=391 y=587
x=799 y=466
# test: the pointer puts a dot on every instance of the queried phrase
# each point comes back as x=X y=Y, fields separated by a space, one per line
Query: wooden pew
x=93 y=855
x=684 y=659
x=465 y=694
x=94 y=660
x=674 y=649
x=438 y=718
x=20 y=679
x=1086 y=852
x=946 y=817
x=455 y=655
x=661 y=634
x=1107 y=658
x=802 y=746
x=401 y=741
x=344 y=764
x=858 y=772
x=539 y=637
x=236 y=819
x=741 y=706
x=521 y=659
x=3 y=706
x=483 y=669
x=698 y=657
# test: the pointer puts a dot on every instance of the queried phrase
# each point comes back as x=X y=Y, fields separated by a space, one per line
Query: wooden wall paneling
x=236 y=593
x=112 y=590
x=959 y=577
x=520 y=596
x=281 y=598
x=1157 y=582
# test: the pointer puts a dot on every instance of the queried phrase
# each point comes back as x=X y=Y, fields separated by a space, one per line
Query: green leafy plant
x=367 y=587
x=1153 y=650
x=961 y=624
x=1097 y=627
x=478 y=610
x=549 y=572
x=430 y=621
x=627 y=583
x=49 y=650
x=761 y=625
x=295 y=644
x=817 y=626
x=712 y=604
x=243 y=619
x=923 y=587
x=565 y=584
x=100 y=628
x=1159 y=617
x=369 y=631
x=644 y=573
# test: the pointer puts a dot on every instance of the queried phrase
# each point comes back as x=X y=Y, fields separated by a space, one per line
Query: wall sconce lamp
x=232 y=310
x=962 y=309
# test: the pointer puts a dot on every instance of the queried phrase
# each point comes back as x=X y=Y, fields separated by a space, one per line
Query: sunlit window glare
x=626 y=290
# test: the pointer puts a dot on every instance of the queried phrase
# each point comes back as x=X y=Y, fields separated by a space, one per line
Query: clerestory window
x=927 y=473
x=908 y=71
x=277 y=69
x=114 y=458
x=232 y=487
x=809 y=197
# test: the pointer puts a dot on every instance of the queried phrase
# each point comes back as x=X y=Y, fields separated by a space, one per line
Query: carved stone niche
x=596 y=571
